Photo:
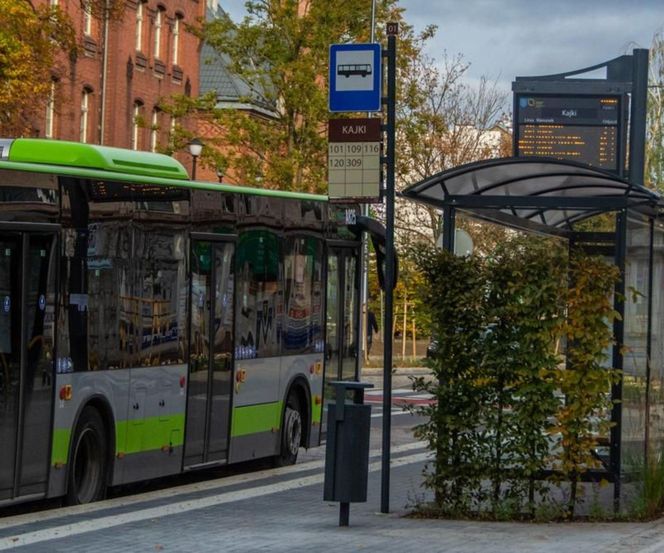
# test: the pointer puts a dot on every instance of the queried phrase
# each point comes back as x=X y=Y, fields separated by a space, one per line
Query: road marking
x=112 y=521
x=395 y=391
x=224 y=482
x=395 y=412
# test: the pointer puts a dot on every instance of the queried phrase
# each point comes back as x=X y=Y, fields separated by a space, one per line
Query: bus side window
x=259 y=308
x=303 y=277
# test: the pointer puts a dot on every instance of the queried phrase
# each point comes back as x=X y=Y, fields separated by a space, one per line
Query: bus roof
x=91 y=161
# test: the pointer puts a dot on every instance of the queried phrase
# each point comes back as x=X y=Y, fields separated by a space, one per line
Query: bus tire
x=291 y=432
x=88 y=462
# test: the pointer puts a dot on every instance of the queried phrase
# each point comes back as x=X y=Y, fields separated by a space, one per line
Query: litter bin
x=347 y=449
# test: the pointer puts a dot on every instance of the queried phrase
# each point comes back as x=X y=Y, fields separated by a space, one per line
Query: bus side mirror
x=379 y=247
x=378 y=238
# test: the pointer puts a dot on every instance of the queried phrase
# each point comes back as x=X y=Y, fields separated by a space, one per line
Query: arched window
x=50 y=112
x=87 y=18
x=154 y=130
x=86 y=100
x=140 y=9
x=136 y=122
x=177 y=24
x=158 y=24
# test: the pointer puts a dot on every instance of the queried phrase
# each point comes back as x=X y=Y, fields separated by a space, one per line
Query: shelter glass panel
x=656 y=393
x=637 y=271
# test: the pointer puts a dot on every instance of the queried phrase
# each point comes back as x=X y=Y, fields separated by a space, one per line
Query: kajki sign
x=354 y=159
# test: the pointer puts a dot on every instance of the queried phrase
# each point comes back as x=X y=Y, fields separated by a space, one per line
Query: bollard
x=347 y=449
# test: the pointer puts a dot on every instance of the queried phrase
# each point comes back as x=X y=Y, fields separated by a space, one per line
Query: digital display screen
x=577 y=128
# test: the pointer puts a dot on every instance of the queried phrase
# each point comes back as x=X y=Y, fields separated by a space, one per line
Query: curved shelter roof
x=533 y=193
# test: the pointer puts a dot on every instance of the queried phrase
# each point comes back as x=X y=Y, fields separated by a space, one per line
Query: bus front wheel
x=88 y=460
x=291 y=433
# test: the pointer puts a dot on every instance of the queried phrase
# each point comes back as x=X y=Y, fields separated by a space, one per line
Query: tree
x=281 y=50
x=30 y=40
x=443 y=122
x=654 y=172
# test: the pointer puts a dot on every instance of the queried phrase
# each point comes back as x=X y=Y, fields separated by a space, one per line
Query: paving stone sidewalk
x=298 y=520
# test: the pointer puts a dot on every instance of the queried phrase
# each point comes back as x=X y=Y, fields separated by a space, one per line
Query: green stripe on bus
x=138 y=436
x=316 y=412
x=133 y=436
x=256 y=418
x=60 y=448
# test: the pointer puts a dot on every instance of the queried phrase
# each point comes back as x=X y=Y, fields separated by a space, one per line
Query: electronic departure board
x=578 y=128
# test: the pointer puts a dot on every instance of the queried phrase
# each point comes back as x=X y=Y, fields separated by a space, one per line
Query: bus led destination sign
x=578 y=128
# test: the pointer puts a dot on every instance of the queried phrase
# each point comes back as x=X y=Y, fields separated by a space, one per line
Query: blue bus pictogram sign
x=355 y=77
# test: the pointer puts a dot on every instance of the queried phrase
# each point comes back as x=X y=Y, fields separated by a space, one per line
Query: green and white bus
x=151 y=325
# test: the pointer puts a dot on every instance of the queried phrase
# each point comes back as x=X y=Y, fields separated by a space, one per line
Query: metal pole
x=637 y=127
x=392 y=30
x=193 y=168
x=104 y=74
x=373 y=20
x=344 y=514
x=365 y=245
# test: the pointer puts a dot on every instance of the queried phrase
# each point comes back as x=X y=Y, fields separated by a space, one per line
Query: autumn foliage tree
x=281 y=50
x=30 y=40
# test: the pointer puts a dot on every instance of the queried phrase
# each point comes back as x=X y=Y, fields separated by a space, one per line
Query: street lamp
x=195 y=149
x=220 y=174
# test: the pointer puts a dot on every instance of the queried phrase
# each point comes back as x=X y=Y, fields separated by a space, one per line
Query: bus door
x=210 y=350
x=342 y=328
x=27 y=331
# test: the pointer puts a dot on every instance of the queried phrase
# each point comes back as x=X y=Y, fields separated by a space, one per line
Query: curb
x=402 y=371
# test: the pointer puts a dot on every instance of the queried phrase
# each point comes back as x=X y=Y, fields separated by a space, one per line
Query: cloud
x=503 y=39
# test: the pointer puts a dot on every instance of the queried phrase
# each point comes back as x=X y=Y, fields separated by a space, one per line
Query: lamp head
x=195 y=147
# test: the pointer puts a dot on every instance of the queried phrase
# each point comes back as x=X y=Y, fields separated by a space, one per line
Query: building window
x=85 y=114
x=135 y=126
x=176 y=40
x=154 y=130
x=159 y=18
x=87 y=18
x=50 y=112
x=139 y=27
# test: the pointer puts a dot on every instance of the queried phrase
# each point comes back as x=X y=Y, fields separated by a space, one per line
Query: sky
x=505 y=38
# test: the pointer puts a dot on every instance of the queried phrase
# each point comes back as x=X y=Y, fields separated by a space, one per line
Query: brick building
x=232 y=93
x=109 y=92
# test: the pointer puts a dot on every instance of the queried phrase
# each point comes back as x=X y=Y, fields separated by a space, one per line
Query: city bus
x=151 y=325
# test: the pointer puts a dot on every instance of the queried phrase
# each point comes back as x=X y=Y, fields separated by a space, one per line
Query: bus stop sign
x=355 y=77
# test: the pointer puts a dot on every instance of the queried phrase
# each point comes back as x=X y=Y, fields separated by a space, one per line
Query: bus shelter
x=552 y=197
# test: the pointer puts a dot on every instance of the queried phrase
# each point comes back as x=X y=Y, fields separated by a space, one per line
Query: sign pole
x=391 y=54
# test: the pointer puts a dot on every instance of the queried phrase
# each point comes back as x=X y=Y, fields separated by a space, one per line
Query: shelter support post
x=449 y=222
x=651 y=252
x=619 y=337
